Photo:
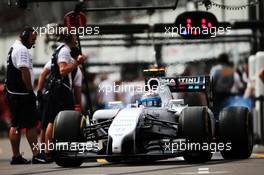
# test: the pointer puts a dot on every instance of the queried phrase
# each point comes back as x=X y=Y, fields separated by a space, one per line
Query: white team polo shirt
x=77 y=79
x=22 y=58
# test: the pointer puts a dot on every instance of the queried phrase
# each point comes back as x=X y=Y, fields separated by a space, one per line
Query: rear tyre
x=195 y=127
x=236 y=129
x=68 y=126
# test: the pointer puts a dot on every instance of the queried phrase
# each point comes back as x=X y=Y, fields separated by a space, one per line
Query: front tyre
x=68 y=127
x=66 y=162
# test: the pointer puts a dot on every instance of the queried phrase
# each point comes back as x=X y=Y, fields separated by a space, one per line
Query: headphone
x=75 y=51
x=25 y=34
x=68 y=38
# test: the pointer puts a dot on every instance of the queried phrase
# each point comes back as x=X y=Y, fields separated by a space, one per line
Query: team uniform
x=59 y=93
x=22 y=103
x=77 y=75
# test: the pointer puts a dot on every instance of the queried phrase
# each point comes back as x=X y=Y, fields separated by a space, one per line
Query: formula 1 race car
x=157 y=127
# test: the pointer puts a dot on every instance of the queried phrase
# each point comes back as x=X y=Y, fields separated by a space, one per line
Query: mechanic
x=21 y=98
x=60 y=96
x=223 y=81
x=43 y=99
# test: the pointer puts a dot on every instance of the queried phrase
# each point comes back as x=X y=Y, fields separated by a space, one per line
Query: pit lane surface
x=175 y=166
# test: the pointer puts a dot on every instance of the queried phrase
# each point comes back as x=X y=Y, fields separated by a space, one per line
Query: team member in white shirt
x=60 y=83
x=20 y=96
x=77 y=85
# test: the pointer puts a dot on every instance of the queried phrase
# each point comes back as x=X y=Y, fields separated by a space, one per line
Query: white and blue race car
x=157 y=127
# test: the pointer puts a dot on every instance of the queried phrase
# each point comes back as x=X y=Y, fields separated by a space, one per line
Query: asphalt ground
x=175 y=166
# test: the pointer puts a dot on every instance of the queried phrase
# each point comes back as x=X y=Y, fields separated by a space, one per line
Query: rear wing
x=183 y=84
x=156 y=77
x=187 y=84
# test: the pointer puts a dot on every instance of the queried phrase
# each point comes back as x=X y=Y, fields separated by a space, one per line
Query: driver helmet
x=150 y=99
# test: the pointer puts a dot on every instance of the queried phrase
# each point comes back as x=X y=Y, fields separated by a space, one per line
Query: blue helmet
x=150 y=100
